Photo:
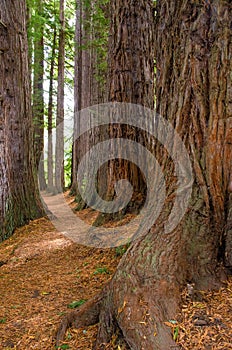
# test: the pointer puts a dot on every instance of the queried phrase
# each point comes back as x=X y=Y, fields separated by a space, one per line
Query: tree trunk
x=83 y=86
x=19 y=197
x=59 y=162
x=131 y=80
x=77 y=92
x=50 y=186
x=85 y=140
x=86 y=52
x=38 y=98
x=192 y=71
x=89 y=89
x=193 y=92
x=29 y=40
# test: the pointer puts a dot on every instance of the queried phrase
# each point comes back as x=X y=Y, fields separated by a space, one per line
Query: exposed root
x=107 y=327
x=86 y=315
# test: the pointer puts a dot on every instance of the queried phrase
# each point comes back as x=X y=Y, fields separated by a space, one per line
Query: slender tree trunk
x=86 y=57
x=88 y=89
x=59 y=163
x=77 y=92
x=100 y=95
x=38 y=98
x=19 y=197
x=50 y=186
x=85 y=140
x=83 y=83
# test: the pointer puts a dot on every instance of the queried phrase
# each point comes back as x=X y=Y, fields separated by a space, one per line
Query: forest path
x=42 y=272
x=78 y=225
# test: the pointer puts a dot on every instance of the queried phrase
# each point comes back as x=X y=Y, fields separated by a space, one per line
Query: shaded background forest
x=68 y=61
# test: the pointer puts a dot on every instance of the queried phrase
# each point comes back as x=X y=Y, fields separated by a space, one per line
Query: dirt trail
x=41 y=273
x=71 y=223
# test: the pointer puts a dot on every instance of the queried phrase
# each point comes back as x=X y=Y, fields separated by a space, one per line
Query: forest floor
x=43 y=275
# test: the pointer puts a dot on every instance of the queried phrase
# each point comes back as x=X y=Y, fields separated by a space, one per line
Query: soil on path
x=42 y=272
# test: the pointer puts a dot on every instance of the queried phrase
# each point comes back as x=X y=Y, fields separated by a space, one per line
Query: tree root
x=86 y=315
x=139 y=319
x=144 y=293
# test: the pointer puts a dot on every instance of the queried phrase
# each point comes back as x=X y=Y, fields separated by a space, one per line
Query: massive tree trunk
x=131 y=75
x=130 y=80
x=19 y=197
x=192 y=70
x=193 y=92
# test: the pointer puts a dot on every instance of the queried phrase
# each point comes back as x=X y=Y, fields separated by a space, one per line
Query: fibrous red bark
x=19 y=197
x=193 y=92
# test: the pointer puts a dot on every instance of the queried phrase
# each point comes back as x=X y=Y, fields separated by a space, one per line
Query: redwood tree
x=50 y=112
x=38 y=93
x=193 y=92
x=88 y=88
x=77 y=91
x=19 y=197
x=130 y=80
x=59 y=151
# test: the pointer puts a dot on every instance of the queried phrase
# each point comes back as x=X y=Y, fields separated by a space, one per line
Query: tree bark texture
x=77 y=93
x=85 y=84
x=131 y=53
x=38 y=98
x=194 y=93
x=29 y=39
x=131 y=77
x=50 y=186
x=19 y=197
x=59 y=152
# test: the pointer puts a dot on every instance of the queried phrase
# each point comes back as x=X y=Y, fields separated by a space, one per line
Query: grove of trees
x=170 y=56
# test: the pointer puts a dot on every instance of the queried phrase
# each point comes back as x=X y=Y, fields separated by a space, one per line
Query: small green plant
x=3 y=320
x=175 y=333
x=61 y=313
x=69 y=336
x=75 y=304
x=120 y=250
x=64 y=346
x=101 y=270
x=68 y=164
